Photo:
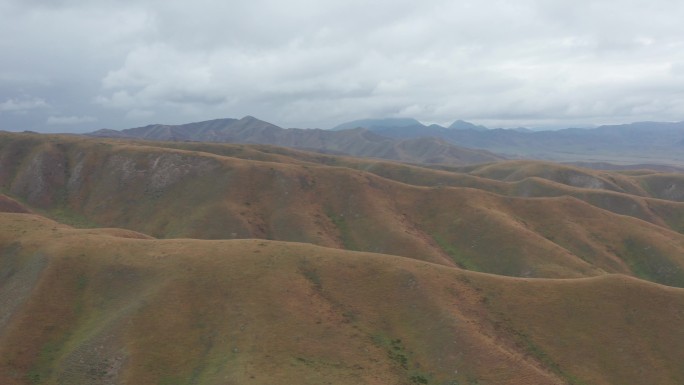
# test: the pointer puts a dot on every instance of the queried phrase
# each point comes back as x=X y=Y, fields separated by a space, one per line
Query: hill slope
x=110 y=306
x=568 y=223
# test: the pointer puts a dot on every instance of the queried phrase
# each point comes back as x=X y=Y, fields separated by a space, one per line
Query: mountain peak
x=378 y=123
x=463 y=125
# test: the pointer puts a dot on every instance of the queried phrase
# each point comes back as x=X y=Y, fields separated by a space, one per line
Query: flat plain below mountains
x=129 y=262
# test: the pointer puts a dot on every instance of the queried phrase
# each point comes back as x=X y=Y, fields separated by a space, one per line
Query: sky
x=78 y=66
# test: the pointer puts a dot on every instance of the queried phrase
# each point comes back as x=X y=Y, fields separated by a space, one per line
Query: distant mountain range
x=462 y=143
x=642 y=142
x=395 y=124
x=355 y=142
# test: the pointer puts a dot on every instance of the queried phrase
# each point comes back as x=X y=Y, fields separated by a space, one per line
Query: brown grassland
x=126 y=262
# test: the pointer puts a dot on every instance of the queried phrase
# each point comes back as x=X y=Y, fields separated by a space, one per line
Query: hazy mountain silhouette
x=356 y=142
x=642 y=142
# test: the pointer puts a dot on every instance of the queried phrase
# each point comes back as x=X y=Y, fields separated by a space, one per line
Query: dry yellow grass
x=521 y=218
x=115 y=307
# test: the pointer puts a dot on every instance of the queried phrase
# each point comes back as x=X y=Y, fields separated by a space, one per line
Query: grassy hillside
x=647 y=195
x=538 y=220
x=115 y=307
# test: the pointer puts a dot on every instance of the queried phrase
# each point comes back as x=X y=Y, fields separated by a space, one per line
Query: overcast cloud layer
x=77 y=66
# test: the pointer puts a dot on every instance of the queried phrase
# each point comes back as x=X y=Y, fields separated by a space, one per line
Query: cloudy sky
x=75 y=66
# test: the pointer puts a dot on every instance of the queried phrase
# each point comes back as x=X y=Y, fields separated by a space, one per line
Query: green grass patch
x=649 y=263
x=538 y=353
x=396 y=351
x=311 y=274
x=42 y=369
x=81 y=281
x=456 y=255
x=58 y=213
x=345 y=232
x=170 y=380
x=71 y=218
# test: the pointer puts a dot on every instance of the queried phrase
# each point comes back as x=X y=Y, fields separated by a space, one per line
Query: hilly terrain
x=516 y=218
x=656 y=145
x=113 y=306
x=355 y=142
x=140 y=262
x=643 y=142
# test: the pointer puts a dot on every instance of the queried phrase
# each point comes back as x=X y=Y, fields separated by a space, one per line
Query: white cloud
x=69 y=120
x=22 y=105
x=137 y=114
x=312 y=63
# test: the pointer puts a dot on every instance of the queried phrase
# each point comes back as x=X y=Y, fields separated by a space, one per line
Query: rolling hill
x=500 y=218
x=127 y=261
x=115 y=307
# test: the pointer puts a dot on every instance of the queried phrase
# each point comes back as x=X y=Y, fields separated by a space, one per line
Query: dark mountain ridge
x=640 y=142
x=356 y=142
x=462 y=143
x=463 y=125
x=378 y=123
